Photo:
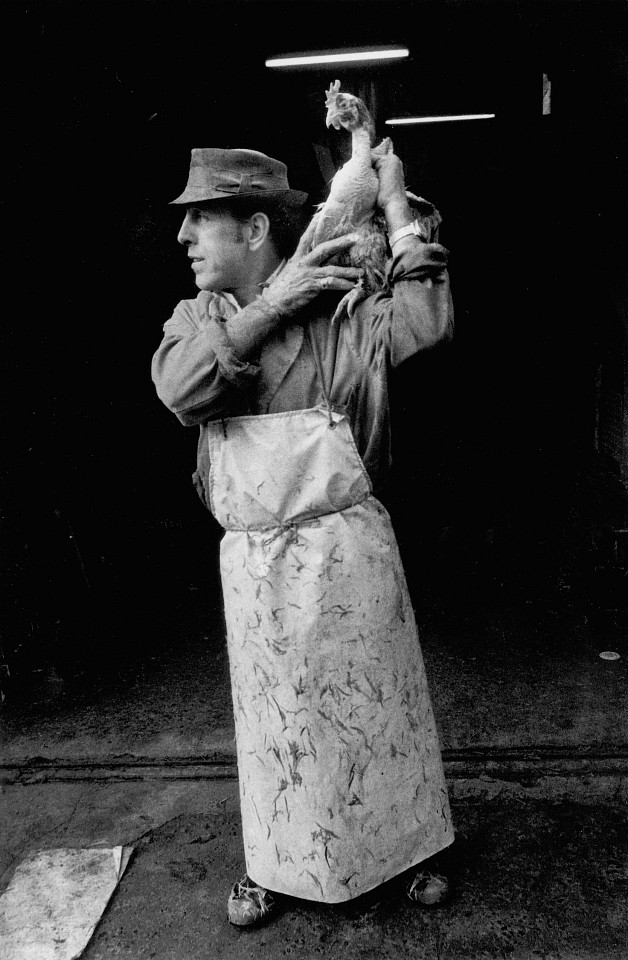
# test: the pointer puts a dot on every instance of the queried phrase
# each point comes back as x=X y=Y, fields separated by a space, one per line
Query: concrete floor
x=534 y=727
x=533 y=879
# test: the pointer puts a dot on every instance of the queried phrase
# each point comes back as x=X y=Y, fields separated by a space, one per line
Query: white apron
x=341 y=780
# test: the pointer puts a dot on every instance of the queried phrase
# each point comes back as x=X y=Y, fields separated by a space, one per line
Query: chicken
x=351 y=204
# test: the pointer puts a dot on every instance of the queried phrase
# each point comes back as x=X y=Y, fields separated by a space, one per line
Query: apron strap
x=321 y=377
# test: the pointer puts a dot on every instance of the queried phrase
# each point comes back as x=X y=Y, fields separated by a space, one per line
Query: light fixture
x=337 y=56
x=399 y=121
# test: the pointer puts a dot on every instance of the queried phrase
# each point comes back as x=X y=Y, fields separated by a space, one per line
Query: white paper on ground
x=51 y=907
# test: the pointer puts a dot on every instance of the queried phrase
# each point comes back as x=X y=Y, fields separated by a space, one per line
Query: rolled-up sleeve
x=196 y=370
x=418 y=311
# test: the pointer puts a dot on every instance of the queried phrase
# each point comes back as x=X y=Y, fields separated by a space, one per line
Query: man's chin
x=205 y=285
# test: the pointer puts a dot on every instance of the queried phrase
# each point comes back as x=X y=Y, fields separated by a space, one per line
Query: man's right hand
x=307 y=274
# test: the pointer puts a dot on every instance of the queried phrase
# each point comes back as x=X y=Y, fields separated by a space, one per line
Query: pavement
x=139 y=750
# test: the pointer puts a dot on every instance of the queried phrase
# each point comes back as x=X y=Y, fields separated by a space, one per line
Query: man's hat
x=217 y=174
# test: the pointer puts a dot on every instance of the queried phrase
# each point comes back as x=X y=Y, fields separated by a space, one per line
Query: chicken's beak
x=332 y=120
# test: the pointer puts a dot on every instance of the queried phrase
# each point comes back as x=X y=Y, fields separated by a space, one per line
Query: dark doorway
x=509 y=445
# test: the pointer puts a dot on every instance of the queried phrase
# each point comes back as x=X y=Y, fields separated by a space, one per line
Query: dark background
x=507 y=456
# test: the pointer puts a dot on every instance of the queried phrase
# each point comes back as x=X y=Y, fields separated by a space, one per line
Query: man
x=341 y=781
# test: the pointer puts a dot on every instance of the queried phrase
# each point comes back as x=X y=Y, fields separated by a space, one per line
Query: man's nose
x=185 y=234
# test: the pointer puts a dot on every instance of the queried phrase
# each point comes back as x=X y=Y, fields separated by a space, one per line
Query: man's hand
x=307 y=274
x=389 y=169
x=392 y=190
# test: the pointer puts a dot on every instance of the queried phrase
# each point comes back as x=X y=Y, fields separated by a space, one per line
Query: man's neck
x=260 y=273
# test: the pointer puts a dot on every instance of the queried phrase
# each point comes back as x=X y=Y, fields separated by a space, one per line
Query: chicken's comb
x=334 y=89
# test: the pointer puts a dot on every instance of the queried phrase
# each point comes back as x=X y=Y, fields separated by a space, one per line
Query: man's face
x=216 y=244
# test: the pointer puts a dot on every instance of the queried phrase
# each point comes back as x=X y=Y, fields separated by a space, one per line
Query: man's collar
x=229 y=297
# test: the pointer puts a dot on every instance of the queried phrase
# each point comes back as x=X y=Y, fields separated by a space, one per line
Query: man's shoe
x=248 y=903
x=428 y=889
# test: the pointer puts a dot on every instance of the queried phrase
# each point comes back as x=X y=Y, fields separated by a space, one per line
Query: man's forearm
x=252 y=326
x=398 y=214
x=204 y=364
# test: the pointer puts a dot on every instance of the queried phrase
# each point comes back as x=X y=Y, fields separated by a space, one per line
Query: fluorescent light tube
x=398 y=121
x=337 y=56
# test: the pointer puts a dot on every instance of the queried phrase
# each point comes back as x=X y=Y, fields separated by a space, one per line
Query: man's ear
x=259 y=227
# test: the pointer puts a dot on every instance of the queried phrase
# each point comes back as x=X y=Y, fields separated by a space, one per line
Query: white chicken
x=351 y=204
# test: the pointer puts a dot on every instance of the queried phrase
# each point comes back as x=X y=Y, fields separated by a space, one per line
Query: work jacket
x=200 y=377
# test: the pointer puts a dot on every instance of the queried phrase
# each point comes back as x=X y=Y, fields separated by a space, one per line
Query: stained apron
x=340 y=772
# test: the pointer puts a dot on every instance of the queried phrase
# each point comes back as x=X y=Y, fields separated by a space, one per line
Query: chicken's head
x=345 y=110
